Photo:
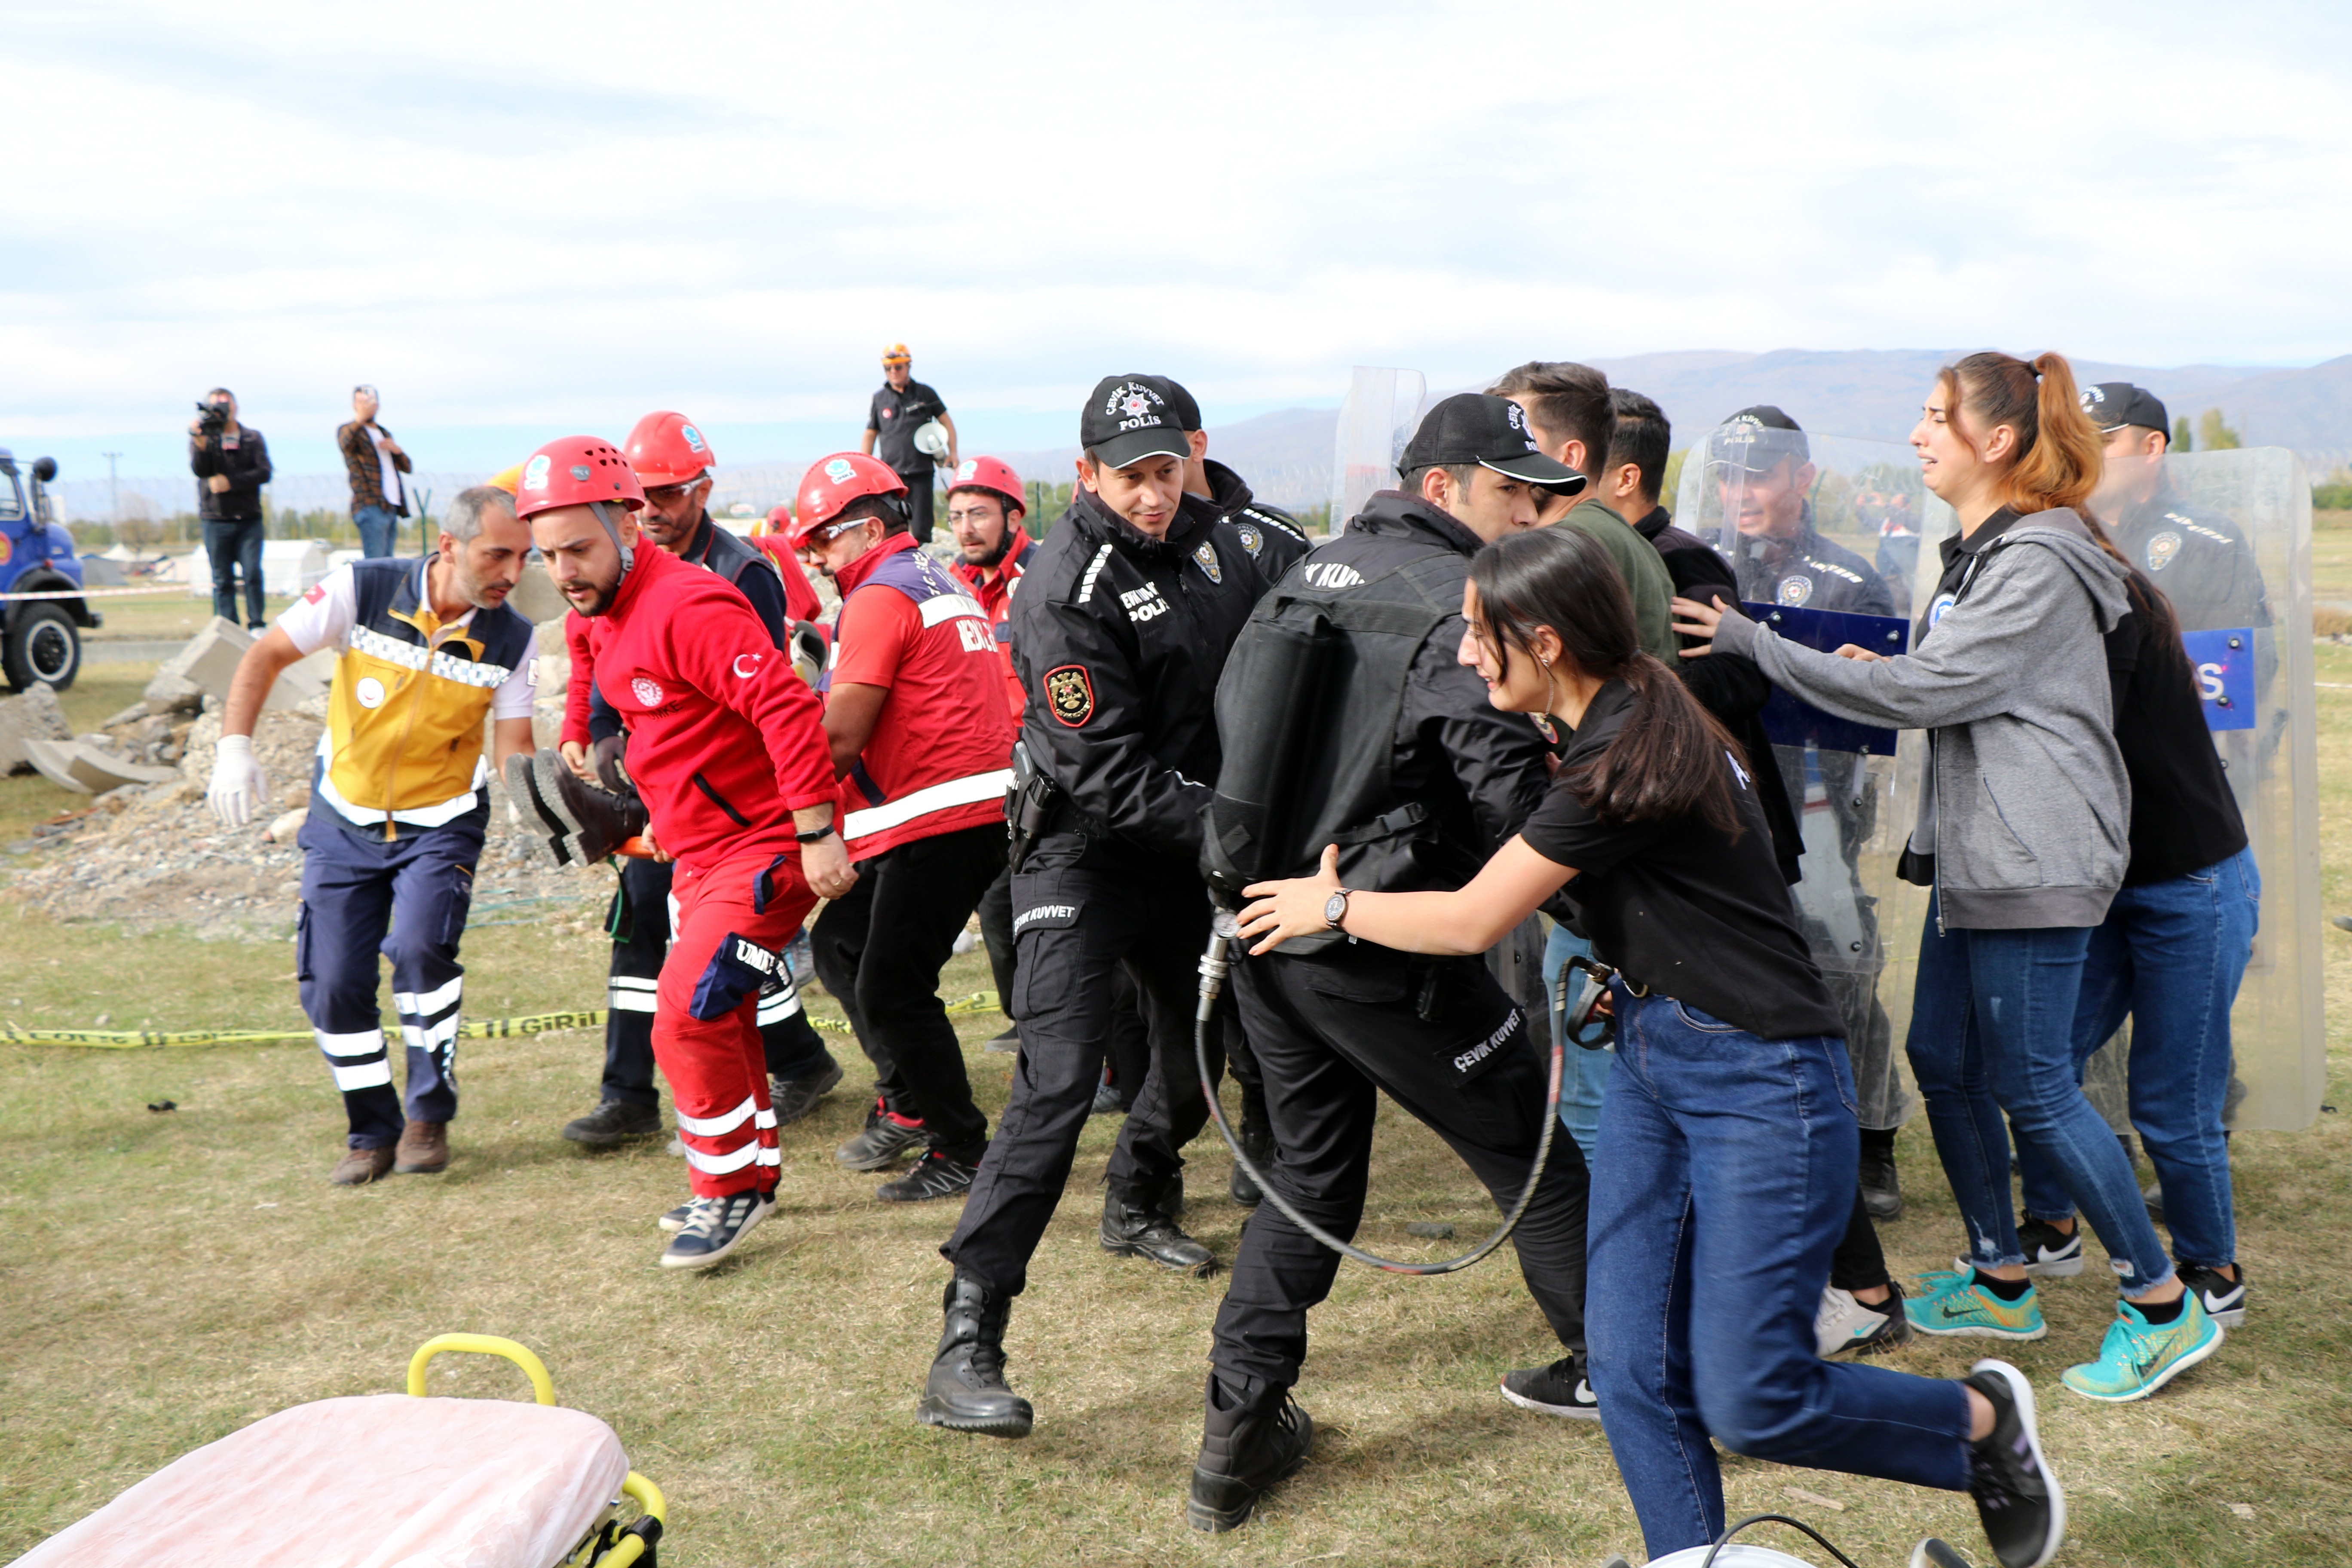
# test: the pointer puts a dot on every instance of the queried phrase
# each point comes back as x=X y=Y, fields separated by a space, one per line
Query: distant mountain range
x=1870 y=394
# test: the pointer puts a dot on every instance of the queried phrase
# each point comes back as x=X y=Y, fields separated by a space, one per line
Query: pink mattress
x=380 y=1481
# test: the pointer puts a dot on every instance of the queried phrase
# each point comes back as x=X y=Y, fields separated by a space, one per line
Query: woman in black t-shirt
x=2170 y=956
x=1727 y=1144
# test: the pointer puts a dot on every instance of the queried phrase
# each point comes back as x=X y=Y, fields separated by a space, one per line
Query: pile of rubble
x=149 y=852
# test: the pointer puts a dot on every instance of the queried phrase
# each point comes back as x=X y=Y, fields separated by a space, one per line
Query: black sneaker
x=1151 y=1233
x=1561 y=1389
x=934 y=1176
x=884 y=1143
x=715 y=1228
x=2019 y=1501
x=793 y=1097
x=2224 y=1298
x=2049 y=1253
x=615 y=1121
x=1107 y=1101
x=1882 y=1187
x=1007 y=1043
x=1245 y=1451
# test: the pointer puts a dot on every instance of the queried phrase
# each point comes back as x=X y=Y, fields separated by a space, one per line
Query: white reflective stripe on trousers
x=965 y=791
x=716 y=1126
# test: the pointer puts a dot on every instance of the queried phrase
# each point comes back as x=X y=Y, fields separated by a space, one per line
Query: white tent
x=289 y=567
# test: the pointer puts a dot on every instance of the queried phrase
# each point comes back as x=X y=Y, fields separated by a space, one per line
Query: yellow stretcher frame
x=606 y=1544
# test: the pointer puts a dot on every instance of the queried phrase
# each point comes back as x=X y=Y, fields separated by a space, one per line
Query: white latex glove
x=238 y=786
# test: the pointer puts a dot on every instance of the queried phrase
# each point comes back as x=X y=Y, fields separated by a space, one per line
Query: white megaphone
x=931 y=439
x=1727 y=1554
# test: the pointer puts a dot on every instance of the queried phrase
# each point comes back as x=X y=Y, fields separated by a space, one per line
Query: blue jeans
x=2169 y=956
x=1583 y=1074
x=234 y=548
x=379 y=530
x=1992 y=1030
x=1731 y=1178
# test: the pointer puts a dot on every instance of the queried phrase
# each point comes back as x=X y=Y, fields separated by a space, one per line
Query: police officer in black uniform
x=2198 y=556
x=1272 y=536
x=801 y=1070
x=1120 y=633
x=1406 y=765
x=1275 y=541
x=1764 y=466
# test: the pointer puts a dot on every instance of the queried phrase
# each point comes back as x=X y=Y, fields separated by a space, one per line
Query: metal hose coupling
x=1223 y=932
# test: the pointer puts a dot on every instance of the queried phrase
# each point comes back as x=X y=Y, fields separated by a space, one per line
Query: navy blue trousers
x=406 y=899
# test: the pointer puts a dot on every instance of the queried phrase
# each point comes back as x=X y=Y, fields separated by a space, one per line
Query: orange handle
x=635 y=849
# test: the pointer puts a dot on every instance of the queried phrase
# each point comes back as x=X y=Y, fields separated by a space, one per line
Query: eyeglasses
x=667 y=495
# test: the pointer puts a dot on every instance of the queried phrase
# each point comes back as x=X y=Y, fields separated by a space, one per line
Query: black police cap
x=1757 y=439
x=1492 y=431
x=1187 y=411
x=1130 y=418
x=2112 y=404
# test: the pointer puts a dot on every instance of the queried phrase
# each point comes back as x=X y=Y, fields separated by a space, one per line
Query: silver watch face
x=1335 y=908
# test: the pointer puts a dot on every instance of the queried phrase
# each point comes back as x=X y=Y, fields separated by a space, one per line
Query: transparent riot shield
x=1827 y=538
x=2227 y=536
x=1382 y=409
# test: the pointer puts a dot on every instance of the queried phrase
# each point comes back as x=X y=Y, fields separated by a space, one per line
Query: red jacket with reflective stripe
x=937 y=761
x=725 y=741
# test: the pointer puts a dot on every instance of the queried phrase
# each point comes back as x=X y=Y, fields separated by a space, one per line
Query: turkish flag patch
x=1070 y=694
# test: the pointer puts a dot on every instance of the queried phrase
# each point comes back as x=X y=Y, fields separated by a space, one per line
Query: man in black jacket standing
x=1407 y=766
x=1119 y=634
x=233 y=463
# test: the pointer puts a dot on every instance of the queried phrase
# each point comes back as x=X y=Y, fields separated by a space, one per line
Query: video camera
x=211 y=418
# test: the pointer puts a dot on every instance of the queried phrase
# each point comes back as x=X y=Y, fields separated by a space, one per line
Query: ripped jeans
x=1992 y=1027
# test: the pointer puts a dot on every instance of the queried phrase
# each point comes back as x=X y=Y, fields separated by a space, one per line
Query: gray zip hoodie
x=2028 y=809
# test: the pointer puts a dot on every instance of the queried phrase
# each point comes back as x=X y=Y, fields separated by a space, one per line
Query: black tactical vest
x=1307 y=717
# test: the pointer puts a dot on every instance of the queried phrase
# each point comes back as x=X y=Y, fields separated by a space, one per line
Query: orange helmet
x=897 y=354
x=506 y=478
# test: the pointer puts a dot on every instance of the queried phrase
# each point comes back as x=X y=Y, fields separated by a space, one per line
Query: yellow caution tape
x=478 y=1029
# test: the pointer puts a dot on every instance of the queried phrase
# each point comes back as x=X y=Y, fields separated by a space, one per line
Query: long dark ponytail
x=1668 y=761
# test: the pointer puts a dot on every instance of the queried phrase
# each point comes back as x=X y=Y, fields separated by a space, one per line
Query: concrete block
x=209 y=659
x=82 y=768
x=535 y=598
x=305 y=678
x=34 y=716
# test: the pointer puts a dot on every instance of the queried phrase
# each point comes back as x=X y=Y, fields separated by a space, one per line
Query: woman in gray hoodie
x=2022 y=834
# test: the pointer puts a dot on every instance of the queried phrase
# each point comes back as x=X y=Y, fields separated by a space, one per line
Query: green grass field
x=177 y=1275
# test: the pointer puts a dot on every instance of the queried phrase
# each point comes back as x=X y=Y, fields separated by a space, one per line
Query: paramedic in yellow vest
x=424 y=652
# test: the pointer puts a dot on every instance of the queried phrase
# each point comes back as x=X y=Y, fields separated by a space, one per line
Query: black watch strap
x=825 y=832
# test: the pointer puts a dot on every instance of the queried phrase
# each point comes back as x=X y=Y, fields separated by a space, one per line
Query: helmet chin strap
x=628 y=555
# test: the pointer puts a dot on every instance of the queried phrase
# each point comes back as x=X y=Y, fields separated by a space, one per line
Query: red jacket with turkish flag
x=725 y=741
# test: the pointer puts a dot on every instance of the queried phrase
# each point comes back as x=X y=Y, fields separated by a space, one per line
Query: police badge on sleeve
x=1070 y=694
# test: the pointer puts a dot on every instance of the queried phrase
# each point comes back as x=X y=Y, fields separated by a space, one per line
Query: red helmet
x=830 y=484
x=576 y=470
x=667 y=449
x=992 y=474
x=778 y=523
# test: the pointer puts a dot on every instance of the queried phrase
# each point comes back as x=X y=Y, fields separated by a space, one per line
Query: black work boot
x=1246 y=1447
x=1257 y=1142
x=615 y=1121
x=1147 y=1232
x=1882 y=1188
x=966 y=1391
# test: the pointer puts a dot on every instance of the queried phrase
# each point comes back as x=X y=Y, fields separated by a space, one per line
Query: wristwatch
x=822 y=833
x=1335 y=908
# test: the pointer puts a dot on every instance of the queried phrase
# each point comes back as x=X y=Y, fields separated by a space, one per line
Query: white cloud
x=564 y=215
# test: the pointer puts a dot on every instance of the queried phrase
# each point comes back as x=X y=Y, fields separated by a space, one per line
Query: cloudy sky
x=522 y=220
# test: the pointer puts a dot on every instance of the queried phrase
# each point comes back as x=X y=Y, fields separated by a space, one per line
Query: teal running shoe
x=2139 y=1357
x=1957 y=1307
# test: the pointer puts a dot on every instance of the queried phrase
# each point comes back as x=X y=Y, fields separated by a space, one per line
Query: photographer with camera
x=233 y=462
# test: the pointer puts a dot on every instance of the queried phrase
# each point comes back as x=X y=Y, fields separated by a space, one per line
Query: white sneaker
x=1843 y=1322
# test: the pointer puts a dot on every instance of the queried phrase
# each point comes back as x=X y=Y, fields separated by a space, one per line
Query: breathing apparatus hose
x=1225 y=931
